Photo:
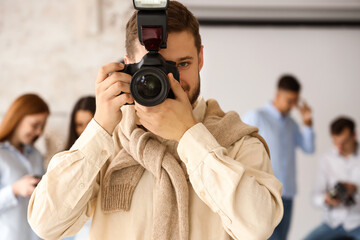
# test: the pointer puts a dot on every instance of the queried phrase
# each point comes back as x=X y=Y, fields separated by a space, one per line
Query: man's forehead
x=180 y=46
x=289 y=93
x=344 y=133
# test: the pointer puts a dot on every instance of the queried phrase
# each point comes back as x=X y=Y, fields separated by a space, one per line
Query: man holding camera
x=337 y=186
x=181 y=169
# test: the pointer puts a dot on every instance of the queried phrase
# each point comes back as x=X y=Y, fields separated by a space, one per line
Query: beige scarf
x=140 y=150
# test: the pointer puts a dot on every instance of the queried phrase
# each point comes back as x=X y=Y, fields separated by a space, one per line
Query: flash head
x=152 y=23
x=151 y=27
x=149 y=85
x=151 y=4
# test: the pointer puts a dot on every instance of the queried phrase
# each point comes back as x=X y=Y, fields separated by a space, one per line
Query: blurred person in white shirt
x=337 y=186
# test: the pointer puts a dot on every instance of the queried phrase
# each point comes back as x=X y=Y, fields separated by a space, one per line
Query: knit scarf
x=140 y=150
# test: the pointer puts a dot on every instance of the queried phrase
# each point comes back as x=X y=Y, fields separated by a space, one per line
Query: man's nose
x=340 y=147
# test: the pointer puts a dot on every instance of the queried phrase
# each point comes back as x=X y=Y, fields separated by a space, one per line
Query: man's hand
x=25 y=186
x=170 y=119
x=108 y=101
x=332 y=202
x=351 y=189
x=306 y=114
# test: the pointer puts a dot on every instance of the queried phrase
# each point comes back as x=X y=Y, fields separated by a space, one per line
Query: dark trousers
x=281 y=231
x=325 y=232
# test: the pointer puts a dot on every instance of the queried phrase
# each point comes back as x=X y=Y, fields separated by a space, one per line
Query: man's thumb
x=175 y=86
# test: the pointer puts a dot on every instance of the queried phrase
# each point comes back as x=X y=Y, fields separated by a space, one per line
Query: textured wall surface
x=55 y=48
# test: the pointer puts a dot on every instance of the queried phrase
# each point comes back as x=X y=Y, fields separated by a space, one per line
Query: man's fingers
x=108 y=68
x=35 y=181
x=142 y=118
x=176 y=87
x=305 y=105
x=122 y=99
x=116 y=78
x=31 y=181
x=30 y=190
x=117 y=88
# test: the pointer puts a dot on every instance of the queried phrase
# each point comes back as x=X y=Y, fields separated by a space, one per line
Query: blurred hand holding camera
x=351 y=188
x=170 y=119
x=108 y=98
x=25 y=186
x=332 y=202
x=342 y=192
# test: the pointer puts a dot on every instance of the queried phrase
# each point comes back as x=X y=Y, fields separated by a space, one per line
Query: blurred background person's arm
x=305 y=138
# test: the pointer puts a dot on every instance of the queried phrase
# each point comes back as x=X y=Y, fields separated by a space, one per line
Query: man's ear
x=201 y=58
x=355 y=136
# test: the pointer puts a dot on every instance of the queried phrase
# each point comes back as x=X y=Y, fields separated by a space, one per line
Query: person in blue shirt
x=21 y=164
x=283 y=136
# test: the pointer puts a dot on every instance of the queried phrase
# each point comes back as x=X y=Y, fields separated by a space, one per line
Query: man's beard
x=194 y=96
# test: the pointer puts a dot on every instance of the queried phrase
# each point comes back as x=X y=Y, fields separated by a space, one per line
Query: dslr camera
x=340 y=192
x=149 y=85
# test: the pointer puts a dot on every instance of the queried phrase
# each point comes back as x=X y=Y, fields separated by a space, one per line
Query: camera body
x=340 y=192
x=149 y=84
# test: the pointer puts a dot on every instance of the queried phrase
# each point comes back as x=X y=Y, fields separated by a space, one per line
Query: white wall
x=55 y=48
x=241 y=69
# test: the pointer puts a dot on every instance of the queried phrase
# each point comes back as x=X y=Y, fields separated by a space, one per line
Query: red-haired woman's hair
x=26 y=104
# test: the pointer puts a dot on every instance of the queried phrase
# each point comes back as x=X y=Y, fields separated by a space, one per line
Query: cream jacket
x=233 y=192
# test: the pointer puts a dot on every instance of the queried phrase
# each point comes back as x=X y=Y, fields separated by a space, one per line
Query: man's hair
x=340 y=124
x=289 y=83
x=179 y=19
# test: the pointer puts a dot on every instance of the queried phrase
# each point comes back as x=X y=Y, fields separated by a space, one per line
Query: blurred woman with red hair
x=21 y=165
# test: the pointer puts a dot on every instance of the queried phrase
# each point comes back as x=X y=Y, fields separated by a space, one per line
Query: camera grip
x=127 y=69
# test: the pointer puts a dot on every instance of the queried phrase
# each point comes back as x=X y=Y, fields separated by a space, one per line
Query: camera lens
x=148 y=86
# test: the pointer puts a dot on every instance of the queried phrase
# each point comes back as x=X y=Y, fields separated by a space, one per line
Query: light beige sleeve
x=65 y=198
x=237 y=183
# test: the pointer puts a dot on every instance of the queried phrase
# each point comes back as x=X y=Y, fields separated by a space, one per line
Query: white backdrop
x=55 y=48
x=241 y=69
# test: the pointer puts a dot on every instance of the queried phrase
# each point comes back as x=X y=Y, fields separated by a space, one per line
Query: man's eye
x=183 y=64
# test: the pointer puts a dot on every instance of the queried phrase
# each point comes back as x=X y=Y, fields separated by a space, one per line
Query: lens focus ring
x=149 y=86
